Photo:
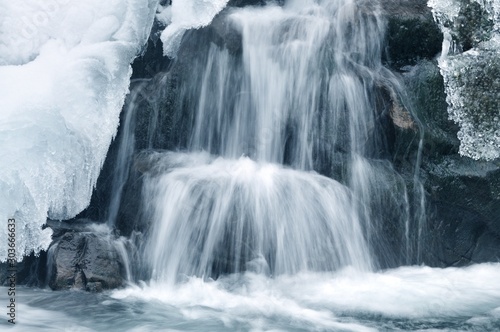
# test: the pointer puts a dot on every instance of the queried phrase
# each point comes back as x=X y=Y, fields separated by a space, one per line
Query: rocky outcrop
x=463 y=206
x=30 y=271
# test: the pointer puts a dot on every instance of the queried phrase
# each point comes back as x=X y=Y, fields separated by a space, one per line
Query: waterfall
x=266 y=173
x=285 y=162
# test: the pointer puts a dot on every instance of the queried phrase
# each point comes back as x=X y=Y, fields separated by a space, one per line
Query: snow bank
x=64 y=73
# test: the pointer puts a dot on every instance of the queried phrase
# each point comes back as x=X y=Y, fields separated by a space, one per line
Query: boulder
x=84 y=260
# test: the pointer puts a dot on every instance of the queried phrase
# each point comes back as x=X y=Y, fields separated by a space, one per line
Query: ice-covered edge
x=477 y=140
x=184 y=15
x=64 y=75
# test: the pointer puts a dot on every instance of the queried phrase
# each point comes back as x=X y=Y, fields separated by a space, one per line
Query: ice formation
x=183 y=15
x=64 y=73
x=470 y=65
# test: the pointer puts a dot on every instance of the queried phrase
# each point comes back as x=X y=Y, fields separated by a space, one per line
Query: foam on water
x=406 y=292
x=407 y=298
x=64 y=76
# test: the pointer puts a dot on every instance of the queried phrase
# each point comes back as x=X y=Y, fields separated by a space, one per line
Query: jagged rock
x=463 y=220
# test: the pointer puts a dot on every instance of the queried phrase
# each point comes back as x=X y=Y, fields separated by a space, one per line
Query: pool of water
x=405 y=299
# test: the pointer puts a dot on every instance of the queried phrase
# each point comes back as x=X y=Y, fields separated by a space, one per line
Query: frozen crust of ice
x=472 y=76
x=64 y=73
x=183 y=15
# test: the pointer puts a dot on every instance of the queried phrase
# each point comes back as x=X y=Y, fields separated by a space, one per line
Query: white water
x=305 y=87
x=334 y=301
x=402 y=299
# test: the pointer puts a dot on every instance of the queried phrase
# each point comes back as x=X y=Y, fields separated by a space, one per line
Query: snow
x=183 y=15
x=64 y=73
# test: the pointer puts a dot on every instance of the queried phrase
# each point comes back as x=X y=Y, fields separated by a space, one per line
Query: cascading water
x=220 y=216
x=304 y=93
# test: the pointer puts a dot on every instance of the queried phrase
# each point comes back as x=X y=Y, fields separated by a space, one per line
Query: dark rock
x=243 y=3
x=464 y=197
x=425 y=87
x=31 y=271
x=463 y=219
x=83 y=260
x=94 y=287
x=225 y=34
x=412 y=33
x=151 y=61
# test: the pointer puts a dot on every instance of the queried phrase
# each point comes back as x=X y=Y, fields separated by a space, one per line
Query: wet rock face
x=464 y=225
x=30 y=271
x=411 y=39
x=84 y=260
x=425 y=87
x=412 y=34
x=463 y=219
